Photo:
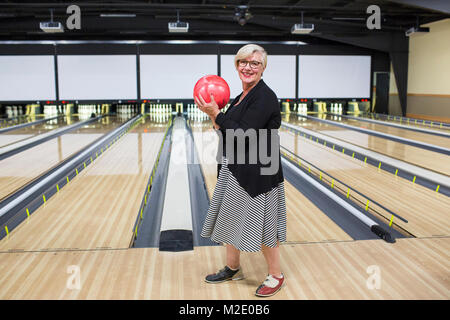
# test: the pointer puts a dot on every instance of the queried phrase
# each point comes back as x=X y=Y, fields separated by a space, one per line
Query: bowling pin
x=9 y=112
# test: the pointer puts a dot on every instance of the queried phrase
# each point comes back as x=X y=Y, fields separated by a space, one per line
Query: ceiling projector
x=413 y=30
x=51 y=27
x=178 y=26
x=302 y=28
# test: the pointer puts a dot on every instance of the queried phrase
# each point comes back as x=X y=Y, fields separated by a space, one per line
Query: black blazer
x=258 y=110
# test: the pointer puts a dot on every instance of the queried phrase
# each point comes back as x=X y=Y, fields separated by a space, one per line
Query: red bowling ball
x=215 y=85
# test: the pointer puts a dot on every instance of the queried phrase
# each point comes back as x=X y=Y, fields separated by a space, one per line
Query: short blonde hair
x=247 y=51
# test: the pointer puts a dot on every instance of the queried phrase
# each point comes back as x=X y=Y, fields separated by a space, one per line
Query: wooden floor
x=421 y=157
x=86 y=229
x=99 y=207
x=408 y=269
x=21 y=168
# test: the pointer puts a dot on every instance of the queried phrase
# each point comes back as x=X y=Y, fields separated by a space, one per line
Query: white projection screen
x=334 y=76
x=279 y=75
x=173 y=76
x=95 y=77
x=27 y=78
x=229 y=73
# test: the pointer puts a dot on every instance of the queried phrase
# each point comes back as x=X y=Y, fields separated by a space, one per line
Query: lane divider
x=395 y=125
x=408 y=120
x=365 y=219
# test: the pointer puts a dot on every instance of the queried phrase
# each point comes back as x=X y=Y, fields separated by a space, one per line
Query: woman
x=248 y=210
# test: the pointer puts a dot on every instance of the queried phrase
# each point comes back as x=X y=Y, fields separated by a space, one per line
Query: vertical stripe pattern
x=236 y=218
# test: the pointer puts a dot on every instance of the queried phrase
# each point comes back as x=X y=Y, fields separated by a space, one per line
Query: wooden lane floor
x=99 y=207
x=395 y=131
x=425 y=210
x=21 y=168
x=424 y=158
x=305 y=222
x=20 y=134
x=371 y=269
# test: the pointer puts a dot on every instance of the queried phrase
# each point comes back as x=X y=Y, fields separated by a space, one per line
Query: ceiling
x=215 y=20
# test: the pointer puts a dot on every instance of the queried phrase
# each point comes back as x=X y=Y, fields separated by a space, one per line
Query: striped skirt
x=236 y=218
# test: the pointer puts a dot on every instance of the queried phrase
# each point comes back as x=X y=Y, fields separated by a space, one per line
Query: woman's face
x=251 y=69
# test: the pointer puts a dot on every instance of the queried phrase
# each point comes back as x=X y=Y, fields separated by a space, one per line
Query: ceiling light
x=118 y=15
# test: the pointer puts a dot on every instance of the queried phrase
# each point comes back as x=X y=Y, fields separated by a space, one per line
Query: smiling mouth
x=247 y=75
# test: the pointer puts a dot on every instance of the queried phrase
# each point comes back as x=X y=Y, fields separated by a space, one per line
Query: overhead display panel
x=173 y=76
x=97 y=77
x=334 y=76
x=229 y=73
x=27 y=78
x=279 y=75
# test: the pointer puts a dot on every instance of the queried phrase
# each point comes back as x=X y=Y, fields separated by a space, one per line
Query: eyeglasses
x=253 y=64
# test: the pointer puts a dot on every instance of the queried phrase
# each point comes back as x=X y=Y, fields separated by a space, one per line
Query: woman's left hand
x=210 y=108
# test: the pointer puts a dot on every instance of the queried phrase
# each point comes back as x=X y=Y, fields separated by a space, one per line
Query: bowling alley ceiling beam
x=437 y=5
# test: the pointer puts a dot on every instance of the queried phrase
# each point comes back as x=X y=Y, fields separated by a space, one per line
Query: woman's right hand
x=211 y=108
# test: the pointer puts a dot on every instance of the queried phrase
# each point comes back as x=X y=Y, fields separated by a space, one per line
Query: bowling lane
x=20 y=134
x=305 y=222
x=424 y=158
x=23 y=167
x=399 y=132
x=99 y=207
x=8 y=122
x=425 y=210
x=412 y=123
